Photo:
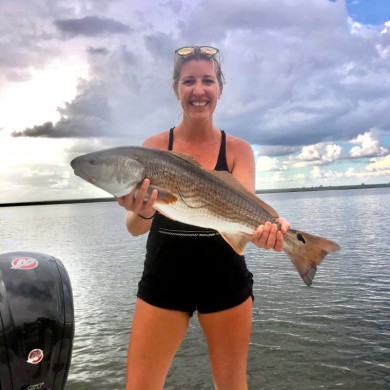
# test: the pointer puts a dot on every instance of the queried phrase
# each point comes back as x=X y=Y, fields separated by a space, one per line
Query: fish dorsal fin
x=233 y=182
x=186 y=157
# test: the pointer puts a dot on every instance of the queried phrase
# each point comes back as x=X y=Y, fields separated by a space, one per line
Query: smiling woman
x=191 y=268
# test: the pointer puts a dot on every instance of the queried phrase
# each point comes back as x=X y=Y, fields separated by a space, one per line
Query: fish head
x=116 y=174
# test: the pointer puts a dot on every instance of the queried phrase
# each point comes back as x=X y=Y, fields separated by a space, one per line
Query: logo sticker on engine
x=24 y=263
x=35 y=356
x=36 y=387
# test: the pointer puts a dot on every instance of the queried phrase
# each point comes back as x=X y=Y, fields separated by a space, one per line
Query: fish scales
x=203 y=194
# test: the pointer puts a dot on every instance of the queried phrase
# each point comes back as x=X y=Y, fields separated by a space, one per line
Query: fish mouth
x=87 y=178
x=76 y=169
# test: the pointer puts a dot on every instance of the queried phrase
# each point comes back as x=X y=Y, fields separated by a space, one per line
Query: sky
x=307 y=85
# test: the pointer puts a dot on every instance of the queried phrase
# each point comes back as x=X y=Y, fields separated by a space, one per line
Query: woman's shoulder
x=158 y=141
x=239 y=156
x=237 y=145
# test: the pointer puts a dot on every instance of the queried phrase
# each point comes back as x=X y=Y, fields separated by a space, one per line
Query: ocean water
x=333 y=335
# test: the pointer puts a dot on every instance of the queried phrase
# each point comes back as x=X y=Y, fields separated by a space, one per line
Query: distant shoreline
x=271 y=191
x=324 y=188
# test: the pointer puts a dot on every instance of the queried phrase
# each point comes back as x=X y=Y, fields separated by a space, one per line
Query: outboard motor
x=36 y=322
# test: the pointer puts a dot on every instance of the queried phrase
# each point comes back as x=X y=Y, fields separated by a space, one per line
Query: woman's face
x=198 y=89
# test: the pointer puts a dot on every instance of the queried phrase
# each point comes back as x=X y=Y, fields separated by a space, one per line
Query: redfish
x=191 y=194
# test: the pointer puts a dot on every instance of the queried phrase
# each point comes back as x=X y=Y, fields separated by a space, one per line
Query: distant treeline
x=276 y=190
x=323 y=188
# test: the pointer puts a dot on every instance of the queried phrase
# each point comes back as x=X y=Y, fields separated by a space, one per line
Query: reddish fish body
x=191 y=194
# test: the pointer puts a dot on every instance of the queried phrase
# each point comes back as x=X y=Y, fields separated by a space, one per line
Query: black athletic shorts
x=189 y=268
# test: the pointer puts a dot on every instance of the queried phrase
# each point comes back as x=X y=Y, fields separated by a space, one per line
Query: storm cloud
x=90 y=26
x=293 y=77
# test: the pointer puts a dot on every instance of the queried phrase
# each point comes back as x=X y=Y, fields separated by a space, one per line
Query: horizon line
x=266 y=191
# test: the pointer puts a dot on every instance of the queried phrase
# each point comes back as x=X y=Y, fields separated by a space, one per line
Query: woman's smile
x=198 y=103
x=198 y=89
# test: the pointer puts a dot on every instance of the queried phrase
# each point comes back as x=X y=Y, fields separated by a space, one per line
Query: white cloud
x=327 y=174
x=316 y=173
x=265 y=163
x=318 y=154
x=369 y=146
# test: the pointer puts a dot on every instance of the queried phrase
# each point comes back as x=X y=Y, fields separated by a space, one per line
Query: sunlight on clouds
x=379 y=165
x=384 y=49
x=386 y=29
x=25 y=151
x=30 y=168
x=37 y=100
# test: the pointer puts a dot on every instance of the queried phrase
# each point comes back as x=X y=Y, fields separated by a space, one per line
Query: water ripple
x=334 y=335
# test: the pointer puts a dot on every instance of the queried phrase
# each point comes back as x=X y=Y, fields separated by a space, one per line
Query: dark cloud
x=272 y=151
x=90 y=26
x=24 y=45
x=215 y=20
x=122 y=97
x=82 y=126
x=36 y=131
x=97 y=50
x=88 y=115
x=161 y=45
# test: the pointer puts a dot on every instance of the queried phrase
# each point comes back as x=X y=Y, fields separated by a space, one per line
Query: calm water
x=334 y=335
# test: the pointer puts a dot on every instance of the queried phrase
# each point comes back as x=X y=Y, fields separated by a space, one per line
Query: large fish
x=191 y=194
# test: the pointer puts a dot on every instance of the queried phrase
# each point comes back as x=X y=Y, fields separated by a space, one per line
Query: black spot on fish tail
x=301 y=238
x=306 y=251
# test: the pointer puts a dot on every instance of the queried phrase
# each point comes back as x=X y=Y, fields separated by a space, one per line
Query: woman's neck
x=197 y=132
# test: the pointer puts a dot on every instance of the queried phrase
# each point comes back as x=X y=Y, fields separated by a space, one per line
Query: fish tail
x=306 y=251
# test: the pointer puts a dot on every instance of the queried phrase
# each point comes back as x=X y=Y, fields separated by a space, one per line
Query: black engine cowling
x=36 y=322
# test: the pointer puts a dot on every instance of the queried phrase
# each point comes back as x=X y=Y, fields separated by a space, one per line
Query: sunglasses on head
x=206 y=50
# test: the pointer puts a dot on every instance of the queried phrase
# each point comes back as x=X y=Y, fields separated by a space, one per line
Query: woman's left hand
x=268 y=236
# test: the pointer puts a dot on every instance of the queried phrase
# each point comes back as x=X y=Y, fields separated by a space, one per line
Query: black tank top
x=191 y=254
x=187 y=264
x=221 y=164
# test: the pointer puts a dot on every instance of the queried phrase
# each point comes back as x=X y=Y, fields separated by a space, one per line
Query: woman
x=188 y=268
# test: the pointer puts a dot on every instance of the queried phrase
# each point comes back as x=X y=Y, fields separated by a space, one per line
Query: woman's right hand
x=138 y=201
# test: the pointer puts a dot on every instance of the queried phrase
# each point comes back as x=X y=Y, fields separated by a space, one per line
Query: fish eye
x=93 y=161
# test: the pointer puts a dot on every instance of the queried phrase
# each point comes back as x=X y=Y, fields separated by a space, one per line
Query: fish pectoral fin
x=237 y=241
x=165 y=196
